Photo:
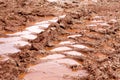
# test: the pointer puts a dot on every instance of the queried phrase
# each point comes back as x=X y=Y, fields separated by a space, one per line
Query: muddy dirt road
x=60 y=40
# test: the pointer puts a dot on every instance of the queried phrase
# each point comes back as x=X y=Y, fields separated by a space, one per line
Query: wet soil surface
x=83 y=44
x=15 y=15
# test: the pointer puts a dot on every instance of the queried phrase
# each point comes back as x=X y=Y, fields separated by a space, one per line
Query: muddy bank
x=99 y=31
x=29 y=54
x=16 y=14
x=102 y=60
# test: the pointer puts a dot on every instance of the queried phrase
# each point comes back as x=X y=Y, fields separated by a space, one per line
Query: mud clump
x=9 y=70
x=51 y=34
x=17 y=64
x=17 y=13
x=103 y=40
x=102 y=58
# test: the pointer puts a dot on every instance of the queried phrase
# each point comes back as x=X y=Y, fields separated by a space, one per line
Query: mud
x=15 y=15
x=86 y=40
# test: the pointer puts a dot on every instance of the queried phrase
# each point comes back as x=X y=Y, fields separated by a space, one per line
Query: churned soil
x=102 y=58
x=16 y=14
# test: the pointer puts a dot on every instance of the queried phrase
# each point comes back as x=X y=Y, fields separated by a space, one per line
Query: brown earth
x=16 y=14
x=102 y=60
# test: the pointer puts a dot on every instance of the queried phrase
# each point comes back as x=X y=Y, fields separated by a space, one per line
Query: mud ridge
x=99 y=33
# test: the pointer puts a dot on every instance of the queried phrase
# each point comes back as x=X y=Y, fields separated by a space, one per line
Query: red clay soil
x=102 y=40
x=16 y=14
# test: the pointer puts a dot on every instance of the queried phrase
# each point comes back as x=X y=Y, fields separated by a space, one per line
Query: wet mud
x=83 y=45
x=15 y=15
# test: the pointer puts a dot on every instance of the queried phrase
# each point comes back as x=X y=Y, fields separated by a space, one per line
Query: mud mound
x=17 y=13
x=101 y=39
x=17 y=64
x=9 y=70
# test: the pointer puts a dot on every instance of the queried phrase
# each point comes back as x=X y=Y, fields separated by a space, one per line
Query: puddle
x=73 y=53
x=15 y=40
x=79 y=46
x=94 y=0
x=97 y=21
x=74 y=36
x=10 y=44
x=52 y=0
x=19 y=43
x=97 y=17
x=8 y=48
x=60 y=1
x=67 y=61
x=54 y=56
x=30 y=36
x=61 y=49
x=4 y=57
x=112 y=21
x=19 y=33
x=66 y=42
x=104 y=24
x=9 y=39
x=92 y=25
x=34 y=29
x=51 y=71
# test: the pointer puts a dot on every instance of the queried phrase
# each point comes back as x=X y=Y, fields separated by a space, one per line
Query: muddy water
x=51 y=71
x=54 y=67
x=11 y=43
x=57 y=65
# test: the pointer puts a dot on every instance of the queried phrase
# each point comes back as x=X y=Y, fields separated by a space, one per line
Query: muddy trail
x=78 y=40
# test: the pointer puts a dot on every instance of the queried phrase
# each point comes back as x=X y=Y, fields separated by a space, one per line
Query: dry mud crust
x=17 y=13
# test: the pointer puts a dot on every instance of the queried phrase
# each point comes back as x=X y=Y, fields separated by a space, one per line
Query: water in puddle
x=34 y=29
x=10 y=44
x=51 y=71
x=30 y=36
x=67 y=61
x=104 y=24
x=74 y=36
x=61 y=49
x=73 y=53
x=95 y=1
x=79 y=46
x=66 y=42
x=54 y=56
x=4 y=57
x=11 y=47
x=97 y=17
x=9 y=39
x=97 y=21
x=20 y=33
x=92 y=25
x=8 y=48
x=113 y=20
